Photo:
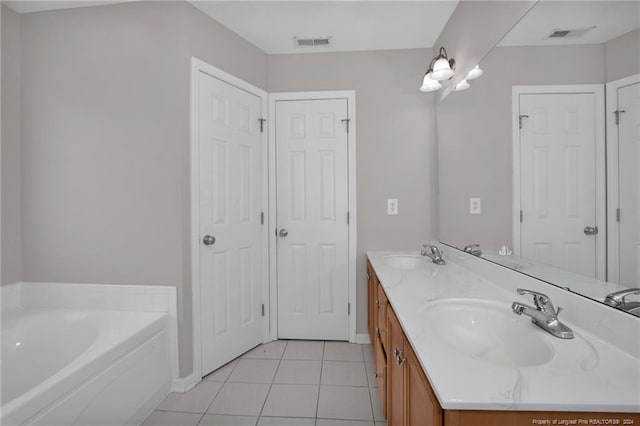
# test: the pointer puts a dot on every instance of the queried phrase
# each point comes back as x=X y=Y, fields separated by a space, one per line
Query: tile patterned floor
x=282 y=383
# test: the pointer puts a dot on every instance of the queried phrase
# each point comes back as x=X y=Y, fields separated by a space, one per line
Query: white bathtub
x=82 y=367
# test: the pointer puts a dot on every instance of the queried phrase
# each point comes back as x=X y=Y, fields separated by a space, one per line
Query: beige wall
x=623 y=56
x=395 y=154
x=106 y=142
x=474 y=136
x=11 y=150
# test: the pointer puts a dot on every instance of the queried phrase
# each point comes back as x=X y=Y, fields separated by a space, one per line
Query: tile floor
x=282 y=383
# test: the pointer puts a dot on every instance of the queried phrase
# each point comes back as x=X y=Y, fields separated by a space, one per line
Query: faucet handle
x=541 y=300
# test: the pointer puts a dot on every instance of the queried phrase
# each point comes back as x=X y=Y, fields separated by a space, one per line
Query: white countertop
x=585 y=374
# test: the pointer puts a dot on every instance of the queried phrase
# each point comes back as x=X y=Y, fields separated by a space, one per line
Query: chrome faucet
x=433 y=253
x=473 y=249
x=617 y=299
x=544 y=315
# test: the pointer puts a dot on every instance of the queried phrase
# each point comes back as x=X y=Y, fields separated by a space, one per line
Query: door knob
x=590 y=230
x=209 y=240
x=283 y=233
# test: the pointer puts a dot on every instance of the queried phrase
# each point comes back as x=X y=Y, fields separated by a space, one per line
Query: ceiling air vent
x=312 y=42
x=569 y=33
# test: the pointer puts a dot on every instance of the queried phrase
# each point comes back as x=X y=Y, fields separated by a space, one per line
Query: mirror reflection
x=539 y=159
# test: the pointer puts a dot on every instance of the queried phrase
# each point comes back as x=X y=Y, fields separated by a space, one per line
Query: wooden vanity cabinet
x=372 y=312
x=410 y=400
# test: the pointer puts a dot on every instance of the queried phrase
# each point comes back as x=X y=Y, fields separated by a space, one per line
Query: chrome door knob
x=283 y=233
x=209 y=240
x=591 y=230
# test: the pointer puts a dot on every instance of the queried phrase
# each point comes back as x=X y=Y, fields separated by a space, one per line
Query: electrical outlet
x=392 y=206
x=475 y=206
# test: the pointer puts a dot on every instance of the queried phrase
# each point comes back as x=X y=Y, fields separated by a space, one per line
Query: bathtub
x=82 y=367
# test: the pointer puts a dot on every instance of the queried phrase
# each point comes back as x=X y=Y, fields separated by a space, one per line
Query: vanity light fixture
x=443 y=67
x=440 y=68
x=429 y=84
x=474 y=73
x=463 y=85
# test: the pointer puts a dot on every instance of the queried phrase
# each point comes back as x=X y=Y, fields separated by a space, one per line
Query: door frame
x=198 y=66
x=613 y=196
x=600 y=166
x=350 y=96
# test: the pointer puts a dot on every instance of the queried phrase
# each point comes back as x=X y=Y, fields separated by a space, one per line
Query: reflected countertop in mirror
x=553 y=162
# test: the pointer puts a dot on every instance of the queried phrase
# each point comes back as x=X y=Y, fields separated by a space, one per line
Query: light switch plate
x=475 y=206
x=392 y=206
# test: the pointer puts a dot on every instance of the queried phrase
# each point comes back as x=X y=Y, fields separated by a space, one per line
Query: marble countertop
x=585 y=373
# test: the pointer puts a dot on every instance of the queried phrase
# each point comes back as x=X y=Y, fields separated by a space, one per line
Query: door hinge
x=348 y=218
x=261 y=218
x=346 y=121
x=520 y=117
x=348 y=308
x=261 y=121
x=617 y=113
x=521 y=216
x=368 y=277
x=618 y=214
x=263 y=309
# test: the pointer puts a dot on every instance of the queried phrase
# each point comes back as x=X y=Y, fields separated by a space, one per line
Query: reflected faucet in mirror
x=618 y=300
x=473 y=249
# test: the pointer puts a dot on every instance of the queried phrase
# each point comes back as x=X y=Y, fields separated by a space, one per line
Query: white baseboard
x=363 y=339
x=185 y=384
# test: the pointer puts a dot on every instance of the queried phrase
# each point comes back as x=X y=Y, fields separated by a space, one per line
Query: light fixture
x=463 y=85
x=474 y=73
x=440 y=68
x=429 y=84
x=443 y=67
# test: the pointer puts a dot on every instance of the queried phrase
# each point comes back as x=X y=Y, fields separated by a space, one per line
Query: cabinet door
x=372 y=288
x=423 y=408
x=382 y=303
x=395 y=372
x=381 y=374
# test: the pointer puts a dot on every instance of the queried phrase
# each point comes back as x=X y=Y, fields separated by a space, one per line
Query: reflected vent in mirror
x=569 y=33
x=312 y=42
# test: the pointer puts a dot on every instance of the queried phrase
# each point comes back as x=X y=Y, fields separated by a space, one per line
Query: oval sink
x=405 y=261
x=488 y=331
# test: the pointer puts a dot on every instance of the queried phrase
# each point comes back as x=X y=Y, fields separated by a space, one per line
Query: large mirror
x=539 y=160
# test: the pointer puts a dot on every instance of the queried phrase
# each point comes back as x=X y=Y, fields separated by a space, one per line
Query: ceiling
x=375 y=25
x=26 y=6
x=354 y=25
x=610 y=19
x=271 y=25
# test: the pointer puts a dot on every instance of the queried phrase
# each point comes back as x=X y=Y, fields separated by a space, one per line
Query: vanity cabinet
x=410 y=401
x=406 y=395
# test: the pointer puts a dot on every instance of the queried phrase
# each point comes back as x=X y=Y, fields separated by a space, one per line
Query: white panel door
x=629 y=184
x=230 y=182
x=312 y=204
x=558 y=180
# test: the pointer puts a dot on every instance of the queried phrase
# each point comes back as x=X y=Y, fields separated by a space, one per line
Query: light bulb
x=474 y=73
x=463 y=85
x=429 y=84
x=442 y=70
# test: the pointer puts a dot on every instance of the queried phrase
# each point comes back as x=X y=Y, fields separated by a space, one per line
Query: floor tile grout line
x=324 y=345
x=264 y=403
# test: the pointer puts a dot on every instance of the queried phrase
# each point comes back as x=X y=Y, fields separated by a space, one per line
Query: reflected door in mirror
x=629 y=178
x=558 y=184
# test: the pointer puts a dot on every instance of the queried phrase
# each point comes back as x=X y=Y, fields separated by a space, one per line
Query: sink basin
x=488 y=331
x=405 y=261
